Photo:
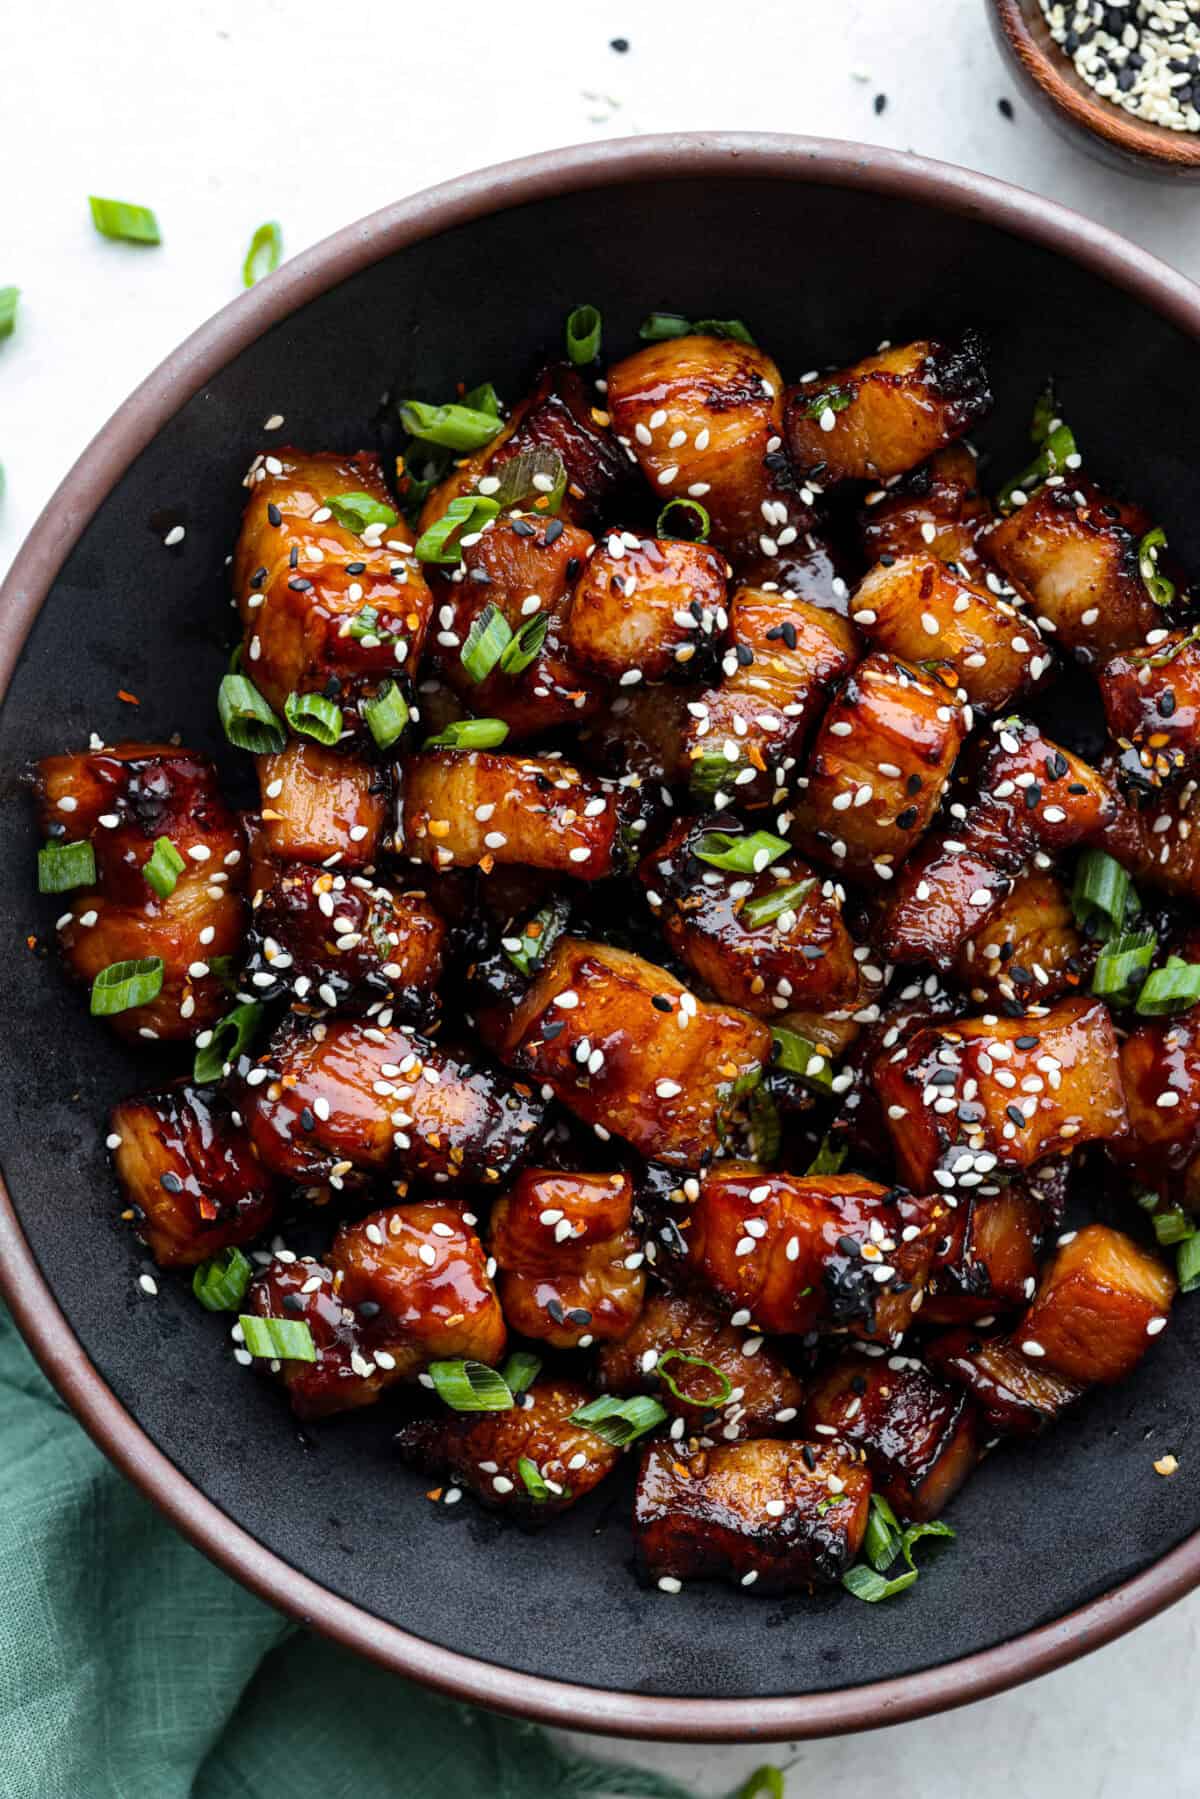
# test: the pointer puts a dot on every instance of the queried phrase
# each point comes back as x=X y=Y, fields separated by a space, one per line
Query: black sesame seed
x=1005 y=109
x=908 y=818
x=356 y=568
x=913 y=784
x=661 y=1003
x=554 y=531
x=880 y=103
x=273 y=513
x=1016 y=1115
x=171 y=1182
x=1166 y=703
x=523 y=528
x=307 y=1121
x=551 y=1030
x=572 y=568
x=1027 y=1042
x=744 y=654
x=294 y=556
x=619 y=44
x=258 y=577
x=808 y=1456
x=299 y=584
x=788 y=633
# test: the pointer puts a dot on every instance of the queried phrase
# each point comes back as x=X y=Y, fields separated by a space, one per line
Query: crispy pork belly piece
x=1028 y=947
x=321 y=806
x=920 y=1438
x=525 y=567
x=341 y=1095
x=316 y=599
x=629 y=1049
x=1017 y=1396
x=888 y=412
x=342 y=940
x=753 y=1392
x=1074 y=551
x=800 y=956
x=916 y=607
x=743 y=736
x=813 y=565
x=1030 y=796
x=1100 y=1302
x=484 y=1450
x=123 y=800
x=188 y=1175
x=647 y=604
x=1160 y=1069
x=988 y=1259
x=1156 y=835
x=937 y=509
x=477 y=808
x=880 y=761
x=704 y=417
x=796 y=1253
x=965 y=1098
x=400 y=1288
x=778 y=1516
x=564 y=1244
x=642 y=733
x=1152 y=701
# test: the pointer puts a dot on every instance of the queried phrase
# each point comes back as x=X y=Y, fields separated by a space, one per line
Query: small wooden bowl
x=1054 y=87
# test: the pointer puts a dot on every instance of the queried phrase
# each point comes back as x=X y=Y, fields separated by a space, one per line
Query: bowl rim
x=548 y=174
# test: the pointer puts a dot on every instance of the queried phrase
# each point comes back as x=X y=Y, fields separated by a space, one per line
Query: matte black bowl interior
x=824 y=249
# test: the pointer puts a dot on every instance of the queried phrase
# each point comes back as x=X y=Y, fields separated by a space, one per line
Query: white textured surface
x=221 y=113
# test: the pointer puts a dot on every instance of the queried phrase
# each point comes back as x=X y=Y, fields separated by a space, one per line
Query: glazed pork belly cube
x=1028 y=948
x=484 y=1451
x=801 y=954
x=524 y=568
x=742 y=737
x=813 y=565
x=340 y=939
x=340 y=1095
x=704 y=418
x=647 y=606
x=937 y=509
x=723 y=1382
x=966 y=1098
x=124 y=801
x=317 y=598
x=479 y=809
x=1152 y=701
x=319 y=805
x=630 y=1050
x=641 y=735
x=988 y=1260
x=1016 y=1396
x=570 y=1260
x=920 y=1438
x=1101 y=1301
x=1074 y=552
x=888 y=412
x=879 y=764
x=763 y=1513
x=1156 y=835
x=398 y=1289
x=916 y=607
x=1160 y=1071
x=188 y=1176
x=796 y=1253
x=1031 y=798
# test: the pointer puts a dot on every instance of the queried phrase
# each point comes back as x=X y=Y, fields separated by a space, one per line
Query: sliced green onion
x=220 y=1285
x=881 y=1539
x=62 y=866
x=747 y=855
x=1187 y=1264
x=1171 y=989
x=123 y=985
x=1173 y=1226
x=829 y=1158
x=731 y=328
x=525 y=647
x=766 y=1127
x=364 y=627
x=724 y=1385
x=469 y=734
x=619 y=1421
x=583 y=335
x=423 y=466
x=765 y=1783
x=263 y=256
x=131 y=224
x=1122 y=961
x=799 y=1055
x=866 y=1584
x=227 y=1042
x=483 y=398
x=537 y=477
x=520 y=1371
x=163 y=868
x=485 y=643
x=1051 y=459
x=454 y=427
x=278 y=1339
x=531 y=1475
x=660 y=327
x=825 y=1505
x=1045 y=415
x=312 y=715
x=249 y=722
x=870 y=1583
x=386 y=715
x=1101 y=888
x=442 y=542
x=769 y=906
x=1160 y=588
x=357 y=511
x=830 y=399
x=692 y=525
x=539 y=936
x=8 y=310
x=711 y=771
x=1161 y=658
x=470 y=1386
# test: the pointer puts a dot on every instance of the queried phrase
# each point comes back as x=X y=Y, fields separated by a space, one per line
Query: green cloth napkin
x=131 y=1668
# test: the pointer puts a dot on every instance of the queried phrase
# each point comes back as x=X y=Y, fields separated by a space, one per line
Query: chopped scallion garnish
x=1122 y=962
x=263 y=256
x=660 y=327
x=531 y=1478
x=1172 y=1226
x=747 y=855
x=520 y=1371
x=163 y=868
x=278 y=1339
x=769 y=906
x=829 y=1158
x=249 y=722
x=386 y=715
x=799 y=1055
x=1187 y=1264
x=539 y=936
x=685 y=519
x=830 y=399
x=1160 y=587
x=723 y=1389
x=8 y=310
x=525 y=647
x=620 y=1421
x=357 y=511
x=583 y=335
x=765 y=1783
x=227 y=1042
x=119 y=219
x=458 y=428
x=537 y=478
x=62 y=866
x=883 y=1541
x=123 y=985
x=1055 y=441
x=470 y=1386
x=490 y=635
x=1101 y=890
x=442 y=542
x=312 y=715
x=483 y=398
x=469 y=734
x=1173 y=988
x=220 y=1285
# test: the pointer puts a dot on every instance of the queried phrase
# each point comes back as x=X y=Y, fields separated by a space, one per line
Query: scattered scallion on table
x=120 y=219
x=263 y=256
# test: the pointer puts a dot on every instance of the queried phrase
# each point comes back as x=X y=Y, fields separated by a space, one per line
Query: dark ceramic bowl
x=824 y=248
